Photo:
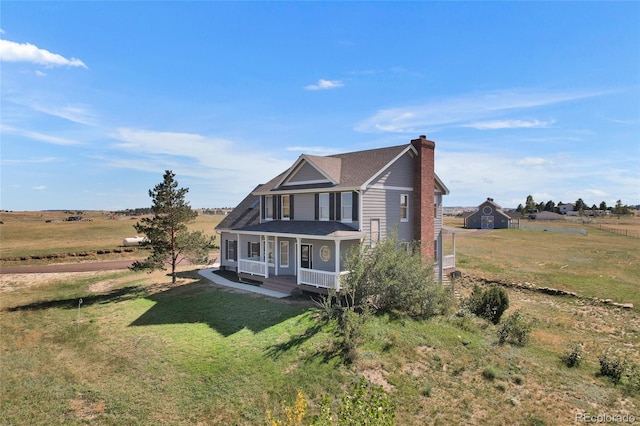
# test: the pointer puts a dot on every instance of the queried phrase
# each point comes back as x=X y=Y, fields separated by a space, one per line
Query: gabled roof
x=352 y=170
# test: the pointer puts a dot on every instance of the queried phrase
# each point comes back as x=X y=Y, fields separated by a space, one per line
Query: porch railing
x=449 y=261
x=254 y=267
x=322 y=279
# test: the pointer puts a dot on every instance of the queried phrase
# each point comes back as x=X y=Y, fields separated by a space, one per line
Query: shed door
x=486 y=222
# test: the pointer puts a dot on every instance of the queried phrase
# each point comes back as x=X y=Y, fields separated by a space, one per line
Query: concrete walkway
x=217 y=279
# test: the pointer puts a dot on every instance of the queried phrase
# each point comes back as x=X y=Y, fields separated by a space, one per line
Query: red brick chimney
x=424 y=190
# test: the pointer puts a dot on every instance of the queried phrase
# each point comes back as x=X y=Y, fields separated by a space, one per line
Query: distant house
x=488 y=216
x=566 y=208
x=546 y=216
x=301 y=223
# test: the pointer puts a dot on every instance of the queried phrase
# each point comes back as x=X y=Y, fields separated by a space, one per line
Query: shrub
x=364 y=404
x=515 y=330
x=612 y=365
x=573 y=355
x=490 y=303
x=293 y=415
x=389 y=278
x=489 y=373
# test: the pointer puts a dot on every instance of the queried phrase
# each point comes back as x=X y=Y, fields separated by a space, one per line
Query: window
x=286 y=207
x=404 y=207
x=324 y=207
x=346 y=207
x=325 y=253
x=270 y=252
x=375 y=232
x=268 y=207
x=231 y=250
x=254 y=250
x=284 y=254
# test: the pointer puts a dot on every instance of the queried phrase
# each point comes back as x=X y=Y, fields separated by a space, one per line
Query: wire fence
x=580 y=231
x=620 y=231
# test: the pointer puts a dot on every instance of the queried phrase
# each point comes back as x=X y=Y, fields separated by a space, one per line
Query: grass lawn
x=138 y=351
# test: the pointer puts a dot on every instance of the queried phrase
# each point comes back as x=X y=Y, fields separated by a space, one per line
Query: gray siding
x=398 y=174
x=306 y=173
x=304 y=207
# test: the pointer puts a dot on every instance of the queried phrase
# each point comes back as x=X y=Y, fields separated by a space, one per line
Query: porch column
x=298 y=259
x=266 y=256
x=337 y=277
x=238 y=252
x=454 y=249
x=276 y=255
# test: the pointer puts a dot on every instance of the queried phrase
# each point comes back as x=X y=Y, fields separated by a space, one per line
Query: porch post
x=238 y=252
x=266 y=256
x=337 y=276
x=298 y=259
x=276 y=255
x=454 y=249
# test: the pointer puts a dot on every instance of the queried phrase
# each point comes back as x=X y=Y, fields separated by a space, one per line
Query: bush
x=490 y=303
x=573 y=356
x=612 y=365
x=489 y=373
x=515 y=330
x=389 y=278
x=364 y=404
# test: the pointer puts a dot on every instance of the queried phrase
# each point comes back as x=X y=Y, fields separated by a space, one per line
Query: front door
x=305 y=256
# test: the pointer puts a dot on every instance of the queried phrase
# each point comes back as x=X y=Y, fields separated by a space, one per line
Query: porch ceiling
x=312 y=228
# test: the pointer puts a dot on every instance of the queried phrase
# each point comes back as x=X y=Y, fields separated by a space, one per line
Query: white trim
x=349 y=217
x=320 y=210
x=391 y=188
x=305 y=182
x=282 y=265
x=375 y=175
x=295 y=167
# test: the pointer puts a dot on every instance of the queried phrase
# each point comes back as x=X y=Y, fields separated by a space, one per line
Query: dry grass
x=29 y=233
x=599 y=264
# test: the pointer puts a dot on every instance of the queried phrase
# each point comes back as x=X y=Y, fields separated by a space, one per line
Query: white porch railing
x=254 y=267
x=322 y=279
x=449 y=261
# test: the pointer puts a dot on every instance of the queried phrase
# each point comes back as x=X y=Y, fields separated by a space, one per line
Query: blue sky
x=99 y=98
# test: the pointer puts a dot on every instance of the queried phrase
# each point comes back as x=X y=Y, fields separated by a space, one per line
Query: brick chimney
x=424 y=190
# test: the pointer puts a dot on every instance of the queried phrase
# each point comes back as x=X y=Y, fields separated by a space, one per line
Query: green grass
x=139 y=352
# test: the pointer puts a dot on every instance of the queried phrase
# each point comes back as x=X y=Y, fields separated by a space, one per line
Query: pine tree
x=167 y=231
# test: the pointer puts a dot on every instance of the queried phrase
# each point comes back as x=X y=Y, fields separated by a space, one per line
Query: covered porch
x=314 y=260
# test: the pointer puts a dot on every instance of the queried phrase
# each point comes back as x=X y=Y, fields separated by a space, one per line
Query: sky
x=98 y=99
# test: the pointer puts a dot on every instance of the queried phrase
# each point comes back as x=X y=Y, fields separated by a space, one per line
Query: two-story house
x=302 y=222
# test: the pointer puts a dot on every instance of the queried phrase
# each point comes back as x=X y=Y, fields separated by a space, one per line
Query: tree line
x=579 y=205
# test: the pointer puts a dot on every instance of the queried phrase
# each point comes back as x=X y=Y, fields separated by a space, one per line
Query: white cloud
x=232 y=166
x=315 y=150
x=325 y=84
x=458 y=111
x=40 y=73
x=56 y=140
x=534 y=162
x=508 y=124
x=8 y=162
x=80 y=114
x=39 y=188
x=11 y=51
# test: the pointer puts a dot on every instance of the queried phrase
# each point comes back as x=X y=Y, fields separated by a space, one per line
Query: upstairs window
x=404 y=207
x=323 y=207
x=286 y=207
x=268 y=207
x=346 y=206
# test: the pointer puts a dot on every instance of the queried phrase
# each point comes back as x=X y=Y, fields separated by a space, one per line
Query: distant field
x=29 y=233
x=600 y=264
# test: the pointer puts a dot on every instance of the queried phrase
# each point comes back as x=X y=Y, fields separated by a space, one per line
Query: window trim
x=252 y=246
x=284 y=250
x=346 y=216
x=404 y=206
x=268 y=207
x=324 y=213
x=232 y=247
x=286 y=206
